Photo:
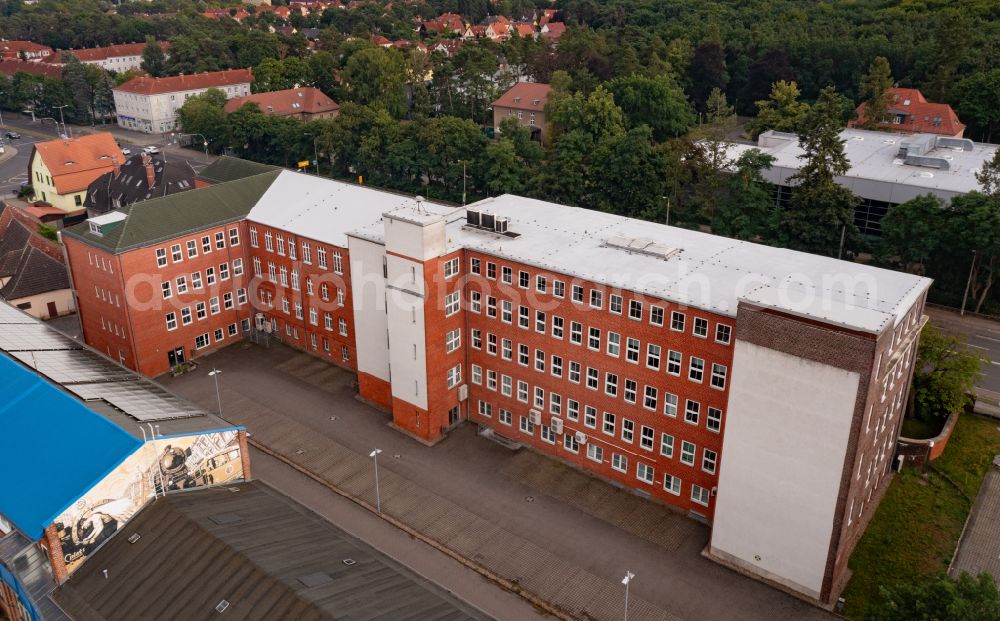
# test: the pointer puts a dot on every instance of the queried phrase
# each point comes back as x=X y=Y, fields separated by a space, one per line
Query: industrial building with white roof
x=886 y=169
x=743 y=384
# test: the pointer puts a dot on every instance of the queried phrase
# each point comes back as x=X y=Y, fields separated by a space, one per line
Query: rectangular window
x=714 y=420
x=200 y=310
x=670 y=404
x=477 y=374
x=596 y=298
x=321 y=256
x=491 y=306
x=505 y=417
x=175 y=253
x=506 y=275
x=452 y=341
x=234 y=237
x=196 y=280
x=619 y=462
x=526 y=425
x=523 y=279
x=342 y=327
x=522 y=354
x=539 y=397
x=594 y=339
x=574 y=372
x=506 y=311
x=644 y=473
x=540 y=322
x=646 y=438
x=522 y=391
x=718 y=376
x=223 y=271
x=451 y=268
x=491 y=270
x=692 y=411
x=192 y=248
x=241 y=296
x=653 y=357
x=475 y=301
x=708 y=460
x=338 y=262
x=474 y=265
x=555 y=403
x=491 y=344
x=592 y=378
x=696 y=369
x=558 y=289
x=723 y=333
x=615 y=304
x=485 y=409
x=523 y=317
x=281 y=244
x=454 y=376
x=210 y=275
x=687 y=453
x=213 y=305
x=556 y=365
x=507 y=349
x=635 y=309
x=577 y=293
x=171 y=321
x=595 y=453
x=328 y=321
x=656 y=315
x=677 y=321
x=672 y=484
x=572 y=410
x=253 y=236
x=540 y=284
x=611 y=384
x=451 y=303
x=201 y=341
x=306 y=253
x=666 y=445
x=632 y=351
x=161 y=257
x=699 y=495
x=614 y=344
x=165 y=286
x=570 y=443
x=700 y=327
x=548 y=436
x=628 y=430
x=575 y=332
x=206 y=244
x=557 y=327
x=674 y=360
x=506 y=385
x=609 y=424
x=649 y=398
x=590 y=417
x=540 y=361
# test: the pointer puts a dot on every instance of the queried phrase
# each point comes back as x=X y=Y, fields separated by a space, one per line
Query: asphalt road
x=14 y=171
x=981 y=334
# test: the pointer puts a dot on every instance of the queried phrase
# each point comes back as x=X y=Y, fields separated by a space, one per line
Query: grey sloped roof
x=228 y=168
x=159 y=219
x=110 y=191
x=11 y=244
x=268 y=556
x=36 y=273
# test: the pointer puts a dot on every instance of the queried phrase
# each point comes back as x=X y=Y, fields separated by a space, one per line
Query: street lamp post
x=628 y=578
x=378 y=496
x=62 y=119
x=214 y=373
x=968 y=283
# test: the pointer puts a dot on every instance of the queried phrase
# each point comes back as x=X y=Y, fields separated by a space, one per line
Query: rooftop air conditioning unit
x=581 y=437
x=472 y=217
x=557 y=424
x=463 y=392
x=486 y=220
x=535 y=417
x=500 y=225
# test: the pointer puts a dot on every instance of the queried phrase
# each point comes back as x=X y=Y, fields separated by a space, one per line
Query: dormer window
x=517 y=100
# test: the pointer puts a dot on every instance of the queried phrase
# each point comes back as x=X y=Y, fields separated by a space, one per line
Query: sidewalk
x=532 y=524
x=8 y=153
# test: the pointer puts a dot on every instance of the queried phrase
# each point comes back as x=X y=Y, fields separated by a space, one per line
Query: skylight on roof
x=642 y=245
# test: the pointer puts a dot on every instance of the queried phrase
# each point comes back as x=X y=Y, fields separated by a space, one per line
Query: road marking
x=978 y=347
x=988 y=338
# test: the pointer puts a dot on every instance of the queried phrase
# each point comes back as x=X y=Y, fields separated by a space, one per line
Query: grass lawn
x=916 y=528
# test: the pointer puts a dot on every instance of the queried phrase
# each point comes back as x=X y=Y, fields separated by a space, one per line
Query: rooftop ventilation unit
x=642 y=245
x=472 y=217
x=500 y=225
x=487 y=220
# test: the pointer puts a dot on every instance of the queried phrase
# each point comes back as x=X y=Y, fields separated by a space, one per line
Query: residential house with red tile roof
x=553 y=30
x=910 y=112
x=304 y=104
x=60 y=170
x=33 y=274
x=116 y=58
x=11 y=68
x=526 y=102
x=25 y=50
x=150 y=104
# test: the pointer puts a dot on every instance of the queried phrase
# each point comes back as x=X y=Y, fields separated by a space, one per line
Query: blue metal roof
x=53 y=448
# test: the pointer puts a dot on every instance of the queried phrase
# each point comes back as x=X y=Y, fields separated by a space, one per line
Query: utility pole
x=843 y=232
x=628 y=578
x=214 y=373
x=378 y=496
x=968 y=283
x=667 y=222
x=62 y=119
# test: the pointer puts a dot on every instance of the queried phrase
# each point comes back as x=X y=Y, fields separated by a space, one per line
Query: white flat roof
x=323 y=209
x=698 y=270
x=873 y=157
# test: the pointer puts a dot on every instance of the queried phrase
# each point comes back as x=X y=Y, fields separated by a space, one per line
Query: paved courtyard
x=556 y=532
x=979 y=549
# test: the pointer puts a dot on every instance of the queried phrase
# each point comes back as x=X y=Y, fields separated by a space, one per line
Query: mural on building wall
x=163 y=465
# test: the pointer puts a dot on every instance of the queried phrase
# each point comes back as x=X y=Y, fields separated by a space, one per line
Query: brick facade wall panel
x=686 y=343
x=375 y=390
x=440 y=398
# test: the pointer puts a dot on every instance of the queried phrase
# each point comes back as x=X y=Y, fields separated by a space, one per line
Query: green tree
x=941 y=599
x=718 y=111
x=783 y=112
x=974 y=229
x=747 y=209
x=979 y=101
x=821 y=211
x=205 y=114
x=375 y=76
x=656 y=101
x=943 y=377
x=913 y=232
x=503 y=171
x=874 y=90
x=629 y=179
x=707 y=71
x=154 y=62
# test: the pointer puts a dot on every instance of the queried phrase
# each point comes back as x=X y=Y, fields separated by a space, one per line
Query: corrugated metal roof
x=278 y=560
x=40 y=423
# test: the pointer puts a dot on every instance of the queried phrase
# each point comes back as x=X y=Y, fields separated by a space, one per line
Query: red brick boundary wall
x=919 y=452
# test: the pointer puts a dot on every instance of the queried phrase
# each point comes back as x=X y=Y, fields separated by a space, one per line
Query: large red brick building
x=755 y=388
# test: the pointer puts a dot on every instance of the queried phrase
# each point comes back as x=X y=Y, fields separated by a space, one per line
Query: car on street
x=12 y=135
x=126 y=151
x=151 y=150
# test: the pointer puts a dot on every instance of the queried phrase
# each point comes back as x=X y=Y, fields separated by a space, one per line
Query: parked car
x=13 y=135
x=126 y=151
x=151 y=150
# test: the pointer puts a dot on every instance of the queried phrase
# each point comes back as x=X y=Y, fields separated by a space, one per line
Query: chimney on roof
x=147 y=163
